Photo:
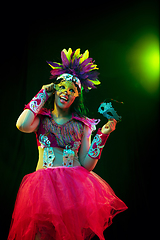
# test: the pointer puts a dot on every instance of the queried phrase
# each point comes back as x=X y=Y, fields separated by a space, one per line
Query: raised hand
x=109 y=127
x=49 y=89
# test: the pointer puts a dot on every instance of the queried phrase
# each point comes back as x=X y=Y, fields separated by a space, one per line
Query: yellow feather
x=55 y=67
x=68 y=53
x=94 y=67
x=65 y=51
x=85 y=55
x=96 y=82
x=76 y=54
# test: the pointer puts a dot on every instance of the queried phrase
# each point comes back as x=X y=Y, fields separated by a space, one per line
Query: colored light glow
x=144 y=62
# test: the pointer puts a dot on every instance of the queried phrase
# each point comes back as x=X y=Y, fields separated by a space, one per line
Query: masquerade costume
x=68 y=201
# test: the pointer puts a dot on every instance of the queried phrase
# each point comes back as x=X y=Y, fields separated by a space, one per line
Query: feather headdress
x=77 y=64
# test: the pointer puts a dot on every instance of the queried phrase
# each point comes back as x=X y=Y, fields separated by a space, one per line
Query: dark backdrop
x=30 y=36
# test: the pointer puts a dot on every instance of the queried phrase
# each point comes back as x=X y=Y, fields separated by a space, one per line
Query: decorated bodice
x=51 y=134
x=67 y=136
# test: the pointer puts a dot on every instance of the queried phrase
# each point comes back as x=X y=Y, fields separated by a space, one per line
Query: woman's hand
x=49 y=89
x=109 y=127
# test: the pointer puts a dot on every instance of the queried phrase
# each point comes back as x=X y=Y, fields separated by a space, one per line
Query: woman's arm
x=86 y=161
x=28 y=121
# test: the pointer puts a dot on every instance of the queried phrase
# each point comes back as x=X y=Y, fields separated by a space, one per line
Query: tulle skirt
x=63 y=203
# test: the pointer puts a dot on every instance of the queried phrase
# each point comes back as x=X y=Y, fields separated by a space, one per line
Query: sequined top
x=51 y=134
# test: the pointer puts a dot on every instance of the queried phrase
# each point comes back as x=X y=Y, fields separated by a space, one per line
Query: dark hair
x=76 y=107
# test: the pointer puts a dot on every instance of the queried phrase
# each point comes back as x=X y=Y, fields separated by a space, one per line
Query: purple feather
x=56 y=72
x=85 y=62
x=88 y=68
x=83 y=75
x=93 y=75
x=89 y=84
x=65 y=61
x=75 y=63
x=72 y=54
x=73 y=72
x=54 y=64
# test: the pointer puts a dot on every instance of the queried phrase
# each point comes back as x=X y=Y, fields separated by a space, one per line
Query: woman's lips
x=63 y=99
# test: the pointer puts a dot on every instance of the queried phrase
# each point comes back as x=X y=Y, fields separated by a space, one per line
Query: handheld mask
x=108 y=111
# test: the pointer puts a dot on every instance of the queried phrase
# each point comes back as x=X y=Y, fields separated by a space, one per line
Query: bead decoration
x=48 y=157
x=68 y=157
x=43 y=139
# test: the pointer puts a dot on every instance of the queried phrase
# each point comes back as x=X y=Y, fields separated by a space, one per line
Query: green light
x=144 y=62
x=150 y=60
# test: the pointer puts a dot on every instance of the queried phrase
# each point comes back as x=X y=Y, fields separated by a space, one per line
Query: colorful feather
x=96 y=82
x=85 y=62
x=55 y=65
x=65 y=61
x=77 y=64
x=68 y=53
x=84 y=56
x=76 y=54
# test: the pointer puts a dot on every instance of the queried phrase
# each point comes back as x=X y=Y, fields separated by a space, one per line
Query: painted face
x=65 y=94
x=67 y=87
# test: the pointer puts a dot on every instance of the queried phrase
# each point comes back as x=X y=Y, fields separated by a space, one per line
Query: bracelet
x=97 y=144
x=37 y=102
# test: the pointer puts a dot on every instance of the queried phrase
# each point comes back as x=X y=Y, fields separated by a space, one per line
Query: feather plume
x=65 y=61
x=96 y=82
x=68 y=53
x=54 y=65
x=56 y=72
x=76 y=54
x=85 y=62
x=77 y=64
x=84 y=56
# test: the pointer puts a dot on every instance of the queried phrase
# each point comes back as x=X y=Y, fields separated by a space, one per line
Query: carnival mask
x=67 y=86
x=108 y=111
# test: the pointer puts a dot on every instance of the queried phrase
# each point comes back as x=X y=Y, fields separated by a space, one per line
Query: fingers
x=111 y=124
x=109 y=127
x=113 y=120
x=49 y=87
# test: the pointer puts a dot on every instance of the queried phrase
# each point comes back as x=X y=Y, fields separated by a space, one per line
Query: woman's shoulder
x=90 y=122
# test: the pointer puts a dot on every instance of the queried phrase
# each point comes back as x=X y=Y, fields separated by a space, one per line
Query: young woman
x=63 y=198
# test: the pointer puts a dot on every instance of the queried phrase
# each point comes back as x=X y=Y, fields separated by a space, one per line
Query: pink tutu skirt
x=63 y=203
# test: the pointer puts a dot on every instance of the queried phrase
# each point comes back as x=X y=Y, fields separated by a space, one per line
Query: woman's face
x=65 y=94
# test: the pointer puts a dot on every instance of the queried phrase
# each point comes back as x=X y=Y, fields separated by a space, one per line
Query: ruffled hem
x=63 y=203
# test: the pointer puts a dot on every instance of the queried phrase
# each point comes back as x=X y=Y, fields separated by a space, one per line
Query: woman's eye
x=71 y=90
x=62 y=87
